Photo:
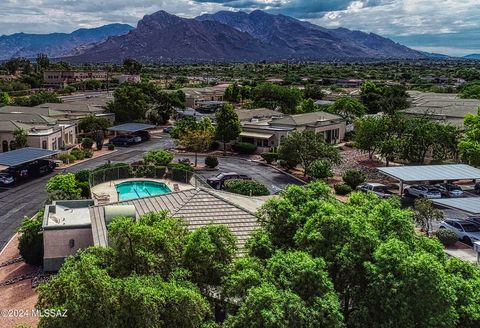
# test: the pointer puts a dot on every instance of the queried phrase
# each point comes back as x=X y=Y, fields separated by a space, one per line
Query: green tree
x=43 y=61
x=348 y=108
x=197 y=141
x=92 y=123
x=320 y=169
x=153 y=245
x=469 y=144
x=425 y=214
x=228 y=124
x=306 y=147
x=131 y=66
x=64 y=184
x=130 y=103
x=30 y=241
x=369 y=133
x=5 y=99
x=272 y=96
x=313 y=91
x=371 y=96
x=158 y=157
x=308 y=106
x=208 y=253
x=232 y=93
x=20 y=136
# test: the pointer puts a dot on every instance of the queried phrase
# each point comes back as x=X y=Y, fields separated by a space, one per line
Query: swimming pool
x=140 y=189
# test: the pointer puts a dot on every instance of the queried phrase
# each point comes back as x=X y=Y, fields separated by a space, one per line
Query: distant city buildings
x=59 y=78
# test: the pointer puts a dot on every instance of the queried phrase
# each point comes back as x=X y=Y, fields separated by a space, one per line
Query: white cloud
x=403 y=20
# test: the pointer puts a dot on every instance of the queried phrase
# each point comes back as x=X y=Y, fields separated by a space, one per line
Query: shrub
x=88 y=153
x=342 y=189
x=246 y=187
x=446 y=237
x=67 y=158
x=320 y=170
x=180 y=172
x=84 y=187
x=87 y=143
x=270 y=157
x=150 y=171
x=78 y=153
x=65 y=183
x=111 y=147
x=158 y=157
x=244 y=148
x=215 y=145
x=353 y=178
x=30 y=241
x=82 y=176
x=211 y=161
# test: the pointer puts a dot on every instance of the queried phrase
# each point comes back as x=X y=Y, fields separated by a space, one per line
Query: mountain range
x=56 y=44
x=223 y=36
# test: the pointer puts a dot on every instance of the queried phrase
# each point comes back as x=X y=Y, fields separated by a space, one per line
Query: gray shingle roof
x=469 y=205
x=198 y=207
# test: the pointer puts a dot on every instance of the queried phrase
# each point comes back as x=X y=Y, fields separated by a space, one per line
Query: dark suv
x=217 y=182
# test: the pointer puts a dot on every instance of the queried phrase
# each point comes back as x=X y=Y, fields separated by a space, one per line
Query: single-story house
x=72 y=225
x=269 y=133
x=42 y=131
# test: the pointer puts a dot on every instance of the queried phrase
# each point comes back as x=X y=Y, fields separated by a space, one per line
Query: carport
x=470 y=206
x=24 y=155
x=131 y=127
x=426 y=173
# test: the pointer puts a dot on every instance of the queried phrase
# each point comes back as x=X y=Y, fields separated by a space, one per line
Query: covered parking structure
x=131 y=127
x=471 y=205
x=426 y=173
x=23 y=156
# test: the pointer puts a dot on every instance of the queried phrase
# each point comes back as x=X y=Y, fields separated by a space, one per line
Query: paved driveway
x=26 y=199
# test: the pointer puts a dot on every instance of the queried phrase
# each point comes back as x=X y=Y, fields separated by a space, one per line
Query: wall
x=56 y=244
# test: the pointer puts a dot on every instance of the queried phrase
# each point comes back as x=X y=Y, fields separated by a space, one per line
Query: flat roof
x=131 y=127
x=469 y=205
x=24 y=155
x=432 y=172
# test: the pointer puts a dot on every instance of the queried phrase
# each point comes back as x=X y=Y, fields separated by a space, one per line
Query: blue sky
x=443 y=26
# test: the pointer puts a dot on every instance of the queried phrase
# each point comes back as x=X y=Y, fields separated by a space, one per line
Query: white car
x=379 y=189
x=422 y=191
x=467 y=231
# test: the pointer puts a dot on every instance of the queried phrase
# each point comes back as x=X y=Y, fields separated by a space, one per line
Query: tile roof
x=44 y=111
x=248 y=114
x=198 y=207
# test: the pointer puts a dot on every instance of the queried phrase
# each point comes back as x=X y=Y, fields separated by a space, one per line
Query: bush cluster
x=354 y=177
x=342 y=189
x=211 y=161
x=446 y=237
x=246 y=187
x=269 y=157
x=244 y=148
x=180 y=172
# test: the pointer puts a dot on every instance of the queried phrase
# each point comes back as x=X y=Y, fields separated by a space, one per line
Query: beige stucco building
x=266 y=130
x=62 y=78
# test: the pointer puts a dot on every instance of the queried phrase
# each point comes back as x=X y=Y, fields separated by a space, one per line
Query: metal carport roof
x=469 y=205
x=24 y=155
x=432 y=172
x=131 y=127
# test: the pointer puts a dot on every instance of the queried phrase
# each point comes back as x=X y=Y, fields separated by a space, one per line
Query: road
x=26 y=199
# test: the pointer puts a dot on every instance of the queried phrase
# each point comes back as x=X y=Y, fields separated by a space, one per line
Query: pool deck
x=108 y=188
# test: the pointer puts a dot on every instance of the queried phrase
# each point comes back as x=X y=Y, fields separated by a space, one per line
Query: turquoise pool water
x=140 y=189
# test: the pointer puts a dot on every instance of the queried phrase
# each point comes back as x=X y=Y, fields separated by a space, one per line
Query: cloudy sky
x=443 y=26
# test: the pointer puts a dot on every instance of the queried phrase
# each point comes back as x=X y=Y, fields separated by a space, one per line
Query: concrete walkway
x=462 y=252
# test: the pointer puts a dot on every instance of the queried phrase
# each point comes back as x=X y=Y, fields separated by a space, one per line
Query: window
x=4 y=146
x=44 y=144
x=13 y=145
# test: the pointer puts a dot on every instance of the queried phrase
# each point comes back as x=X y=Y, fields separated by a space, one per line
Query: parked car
x=450 y=190
x=145 y=135
x=40 y=167
x=124 y=140
x=218 y=181
x=379 y=189
x=18 y=172
x=477 y=188
x=474 y=219
x=467 y=231
x=422 y=191
x=6 y=179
